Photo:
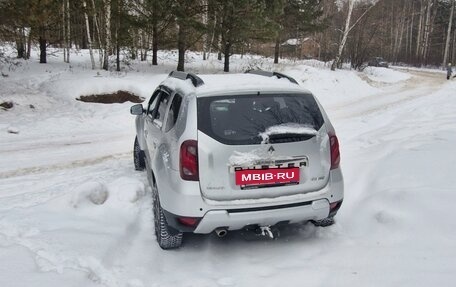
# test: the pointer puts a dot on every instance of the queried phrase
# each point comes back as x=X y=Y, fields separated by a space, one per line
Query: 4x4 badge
x=271 y=150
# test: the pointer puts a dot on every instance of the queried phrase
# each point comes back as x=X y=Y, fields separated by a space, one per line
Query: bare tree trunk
x=407 y=38
x=420 y=28
x=181 y=48
x=213 y=36
x=141 y=44
x=29 y=43
x=411 y=31
x=227 y=51
x=64 y=31
x=144 y=45
x=426 y=31
x=351 y=4
x=68 y=33
x=20 y=44
x=400 y=35
x=89 y=39
x=117 y=37
x=107 y=48
x=453 y=51
x=392 y=28
x=219 y=54
x=429 y=29
x=277 y=50
x=154 y=44
x=97 y=29
x=447 y=43
x=205 y=17
x=43 y=43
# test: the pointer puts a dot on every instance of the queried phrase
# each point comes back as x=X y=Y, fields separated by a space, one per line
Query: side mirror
x=137 y=110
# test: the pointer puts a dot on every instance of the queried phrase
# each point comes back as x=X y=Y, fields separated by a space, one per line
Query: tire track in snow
x=57 y=167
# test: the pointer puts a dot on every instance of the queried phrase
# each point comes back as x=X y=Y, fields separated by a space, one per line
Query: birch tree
x=335 y=63
x=89 y=39
x=107 y=24
x=348 y=28
x=64 y=30
x=448 y=36
x=97 y=30
x=68 y=33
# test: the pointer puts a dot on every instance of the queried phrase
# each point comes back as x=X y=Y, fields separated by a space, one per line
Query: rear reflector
x=188 y=221
x=334 y=207
x=188 y=163
x=335 y=153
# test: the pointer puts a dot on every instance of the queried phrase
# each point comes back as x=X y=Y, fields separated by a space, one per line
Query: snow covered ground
x=397 y=133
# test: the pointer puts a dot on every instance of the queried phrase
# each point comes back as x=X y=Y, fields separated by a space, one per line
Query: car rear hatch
x=261 y=146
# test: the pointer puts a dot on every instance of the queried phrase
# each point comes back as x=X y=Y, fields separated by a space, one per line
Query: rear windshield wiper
x=289 y=137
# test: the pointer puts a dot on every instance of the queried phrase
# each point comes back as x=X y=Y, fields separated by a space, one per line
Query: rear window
x=238 y=120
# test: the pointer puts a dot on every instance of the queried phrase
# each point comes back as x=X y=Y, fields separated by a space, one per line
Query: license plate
x=267 y=176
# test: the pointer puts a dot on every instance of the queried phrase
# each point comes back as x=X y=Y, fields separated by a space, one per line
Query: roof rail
x=196 y=81
x=272 y=74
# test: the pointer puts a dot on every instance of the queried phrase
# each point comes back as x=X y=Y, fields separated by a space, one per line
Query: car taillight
x=189 y=160
x=335 y=153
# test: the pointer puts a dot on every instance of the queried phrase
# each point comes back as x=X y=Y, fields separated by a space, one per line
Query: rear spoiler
x=272 y=74
x=196 y=81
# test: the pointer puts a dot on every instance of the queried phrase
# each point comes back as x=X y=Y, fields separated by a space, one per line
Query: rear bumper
x=186 y=201
x=234 y=219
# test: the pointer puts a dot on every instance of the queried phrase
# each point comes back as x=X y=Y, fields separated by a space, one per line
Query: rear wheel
x=166 y=238
x=138 y=156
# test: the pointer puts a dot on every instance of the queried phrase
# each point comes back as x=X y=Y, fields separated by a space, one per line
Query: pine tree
x=239 y=22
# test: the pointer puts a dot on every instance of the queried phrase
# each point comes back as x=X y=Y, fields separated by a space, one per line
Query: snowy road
x=394 y=228
x=421 y=84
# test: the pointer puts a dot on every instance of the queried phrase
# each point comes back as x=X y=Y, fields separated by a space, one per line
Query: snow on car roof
x=223 y=84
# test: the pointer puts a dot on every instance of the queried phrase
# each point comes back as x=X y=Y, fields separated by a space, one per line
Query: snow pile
x=291 y=128
x=249 y=158
x=186 y=89
x=95 y=192
x=385 y=75
x=12 y=130
x=331 y=87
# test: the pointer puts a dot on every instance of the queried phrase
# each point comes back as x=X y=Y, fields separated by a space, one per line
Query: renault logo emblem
x=271 y=150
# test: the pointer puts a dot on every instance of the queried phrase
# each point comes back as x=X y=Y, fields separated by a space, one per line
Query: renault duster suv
x=233 y=151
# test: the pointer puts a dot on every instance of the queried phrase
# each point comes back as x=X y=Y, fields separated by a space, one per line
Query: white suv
x=233 y=151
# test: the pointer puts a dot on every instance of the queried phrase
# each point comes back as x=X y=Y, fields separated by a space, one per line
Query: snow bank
x=331 y=87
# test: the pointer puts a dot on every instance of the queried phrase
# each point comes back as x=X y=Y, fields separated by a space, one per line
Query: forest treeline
x=417 y=32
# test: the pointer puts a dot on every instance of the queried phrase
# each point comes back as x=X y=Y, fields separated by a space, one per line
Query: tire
x=138 y=156
x=328 y=221
x=165 y=237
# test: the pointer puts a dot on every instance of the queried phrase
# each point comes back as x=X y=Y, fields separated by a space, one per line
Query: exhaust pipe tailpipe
x=221 y=232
